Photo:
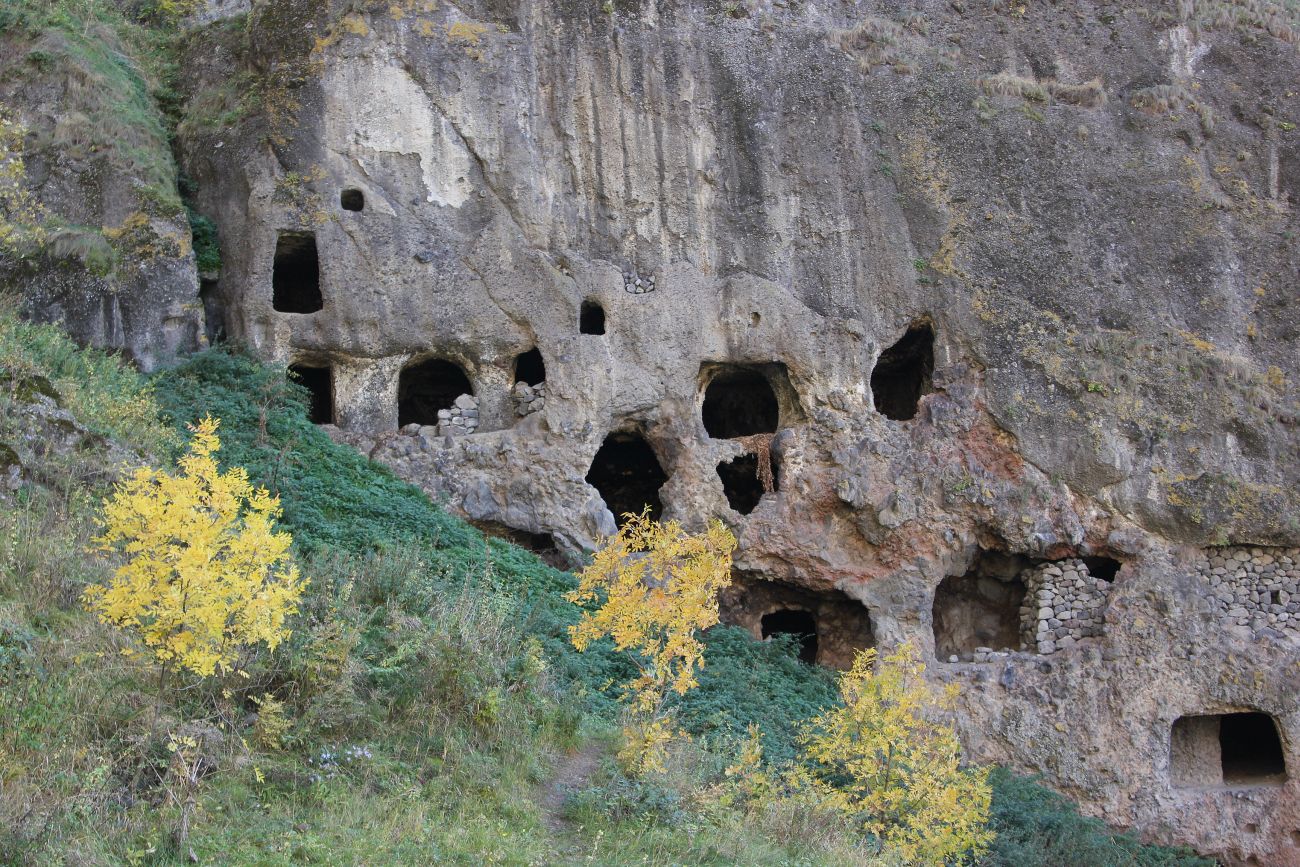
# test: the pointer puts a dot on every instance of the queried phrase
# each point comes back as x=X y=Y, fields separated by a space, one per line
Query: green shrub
x=207 y=248
x=105 y=393
x=1037 y=827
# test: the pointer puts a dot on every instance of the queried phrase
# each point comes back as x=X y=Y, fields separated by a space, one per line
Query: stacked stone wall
x=1257 y=588
x=528 y=398
x=1064 y=603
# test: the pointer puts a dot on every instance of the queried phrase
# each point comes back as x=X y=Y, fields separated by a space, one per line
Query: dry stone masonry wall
x=1252 y=587
x=1066 y=605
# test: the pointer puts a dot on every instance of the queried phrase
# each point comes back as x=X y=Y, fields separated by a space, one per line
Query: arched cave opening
x=530 y=367
x=295 y=274
x=903 y=373
x=426 y=387
x=628 y=476
x=739 y=401
x=352 y=200
x=591 y=319
x=319 y=382
x=743 y=480
x=841 y=624
x=1231 y=749
x=796 y=622
x=1105 y=568
x=980 y=608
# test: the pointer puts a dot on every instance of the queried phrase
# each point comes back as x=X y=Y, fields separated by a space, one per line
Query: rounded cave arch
x=738 y=399
x=628 y=475
x=428 y=385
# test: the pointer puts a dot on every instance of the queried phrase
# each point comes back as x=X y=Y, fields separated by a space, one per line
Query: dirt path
x=572 y=772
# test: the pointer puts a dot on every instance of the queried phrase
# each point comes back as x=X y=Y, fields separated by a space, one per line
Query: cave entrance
x=743 y=479
x=295 y=274
x=1105 y=568
x=1232 y=749
x=628 y=476
x=739 y=401
x=903 y=373
x=214 y=319
x=319 y=382
x=796 y=622
x=352 y=200
x=840 y=624
x=980 y=608
x=530 y=368
x=426 y=387
x=591 y=319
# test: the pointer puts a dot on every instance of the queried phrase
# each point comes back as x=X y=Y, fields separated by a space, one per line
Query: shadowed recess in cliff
x=628 y=476
x=1105 y=568
x=742 y=480
x=591 y=318
x=352 y=200
x=796 y=622
x=1231 y=749
x=530 y=367
x=747 y=399
x=295 y=275
x=319 y=382
x=903 y=373
x=429 y=386
x=980 y=608
x=842 y=624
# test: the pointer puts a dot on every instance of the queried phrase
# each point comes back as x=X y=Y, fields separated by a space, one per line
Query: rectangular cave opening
x=295 y=274
x=1226 y=750
x=319 y=382
x=530 y=367
x=980 y=609
x=828 y=626
x=591 y=318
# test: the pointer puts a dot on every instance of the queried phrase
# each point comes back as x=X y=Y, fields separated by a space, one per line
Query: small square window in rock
x=295 y=274
x=530 y=367
x=352 y=200
x=591 y=319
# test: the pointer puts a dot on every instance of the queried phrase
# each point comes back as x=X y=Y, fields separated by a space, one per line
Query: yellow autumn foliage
x=656 y=587
x=205 y=573
x=885 y=760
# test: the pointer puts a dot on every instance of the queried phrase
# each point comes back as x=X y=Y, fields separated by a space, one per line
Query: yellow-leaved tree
x=655 y=587
x=887 y=761
x=205 y=573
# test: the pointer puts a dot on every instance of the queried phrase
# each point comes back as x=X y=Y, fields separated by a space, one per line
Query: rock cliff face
x=1002 y=294
x=117 y=268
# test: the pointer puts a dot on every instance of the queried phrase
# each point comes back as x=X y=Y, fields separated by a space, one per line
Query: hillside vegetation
x=428 y=706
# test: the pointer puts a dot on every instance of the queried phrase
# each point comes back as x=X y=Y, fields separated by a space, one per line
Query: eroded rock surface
x=1000 y=280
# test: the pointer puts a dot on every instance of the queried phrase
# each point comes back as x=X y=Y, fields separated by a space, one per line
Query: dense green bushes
x=1036 y=827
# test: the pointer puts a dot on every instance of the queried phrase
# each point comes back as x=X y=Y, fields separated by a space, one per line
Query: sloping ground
x=420 y=699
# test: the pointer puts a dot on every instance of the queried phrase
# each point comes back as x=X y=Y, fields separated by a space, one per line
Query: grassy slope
x=427 y=693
